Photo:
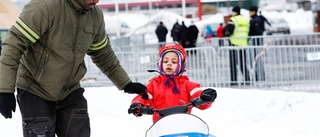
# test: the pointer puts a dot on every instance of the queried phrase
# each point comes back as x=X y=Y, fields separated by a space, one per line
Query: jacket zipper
x=42 y=67
x=73 y=49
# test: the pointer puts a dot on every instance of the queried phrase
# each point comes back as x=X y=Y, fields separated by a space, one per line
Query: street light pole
x=150 y=6
x=126 y=6
x=184 y=8
x=199 y=9
x=318 y=16
x=117 y=18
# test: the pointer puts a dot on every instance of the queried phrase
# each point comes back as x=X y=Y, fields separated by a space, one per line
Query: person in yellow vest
x=237 y=29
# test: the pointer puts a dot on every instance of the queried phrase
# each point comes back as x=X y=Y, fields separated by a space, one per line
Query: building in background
x=245 y=4
x=193 y=8
x=150 y=6
x=9 y=13
x=304 y=4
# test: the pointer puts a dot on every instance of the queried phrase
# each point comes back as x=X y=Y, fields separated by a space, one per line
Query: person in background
x=209 y=33
x=161 y=32
x=220 y=34
x=237 y=29
x=171 y=87
x=256 y=28
x=264 y=20
x=255 y=33
x=183 y=35
x=43 y=59
x=175 y=31
x=192 y=37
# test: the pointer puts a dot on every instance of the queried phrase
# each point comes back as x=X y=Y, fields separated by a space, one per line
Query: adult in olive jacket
x=43 y=57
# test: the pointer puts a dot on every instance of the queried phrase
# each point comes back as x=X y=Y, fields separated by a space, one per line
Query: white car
x=278 y=25
x=114 y=26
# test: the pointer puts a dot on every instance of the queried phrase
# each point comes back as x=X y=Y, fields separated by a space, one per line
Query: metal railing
x=287 y=62
x=3 y=33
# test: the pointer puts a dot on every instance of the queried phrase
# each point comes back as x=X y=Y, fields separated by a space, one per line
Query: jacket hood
x=76 y=6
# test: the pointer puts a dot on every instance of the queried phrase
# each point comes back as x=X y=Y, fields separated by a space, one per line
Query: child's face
x=170 y=63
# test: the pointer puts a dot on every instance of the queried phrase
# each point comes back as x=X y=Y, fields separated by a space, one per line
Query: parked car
x=113 y=25
x=278 y=25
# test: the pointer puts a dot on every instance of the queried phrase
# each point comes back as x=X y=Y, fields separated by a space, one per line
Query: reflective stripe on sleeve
x=99 y=45
x=194 y=91
x=26 y=31
x=150 y=96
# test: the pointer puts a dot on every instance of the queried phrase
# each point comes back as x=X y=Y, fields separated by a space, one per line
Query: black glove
x=208 y=95
x=135 y=109
x=7 y=104
x=136 y=88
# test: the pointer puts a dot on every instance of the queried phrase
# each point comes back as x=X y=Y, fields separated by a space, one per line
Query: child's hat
x=179 y=50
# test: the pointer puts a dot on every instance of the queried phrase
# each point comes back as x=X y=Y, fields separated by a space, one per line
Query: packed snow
x=235 y=113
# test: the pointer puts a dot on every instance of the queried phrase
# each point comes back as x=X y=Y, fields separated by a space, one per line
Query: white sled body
x=179 y=125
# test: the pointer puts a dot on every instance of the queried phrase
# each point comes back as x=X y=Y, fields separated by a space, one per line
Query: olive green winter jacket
x=44 y=50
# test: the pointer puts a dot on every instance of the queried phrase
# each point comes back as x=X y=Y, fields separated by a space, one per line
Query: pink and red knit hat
x=179 y=50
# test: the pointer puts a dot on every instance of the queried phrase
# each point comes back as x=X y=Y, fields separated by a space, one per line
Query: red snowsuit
x=163 y=97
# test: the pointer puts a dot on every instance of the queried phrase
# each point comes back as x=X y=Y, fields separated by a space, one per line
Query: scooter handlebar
x=173 y=110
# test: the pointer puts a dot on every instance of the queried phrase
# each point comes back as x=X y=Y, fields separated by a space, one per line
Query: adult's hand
x=136 y=88
x=7 y=104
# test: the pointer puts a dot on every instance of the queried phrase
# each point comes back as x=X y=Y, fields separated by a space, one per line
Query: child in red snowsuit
x=171 y=88
x=220 y=34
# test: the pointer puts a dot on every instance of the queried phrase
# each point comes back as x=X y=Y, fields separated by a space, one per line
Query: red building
x=160 y=4
x=146 y=5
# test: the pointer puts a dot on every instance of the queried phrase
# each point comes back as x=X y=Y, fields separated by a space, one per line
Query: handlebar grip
x=147 y=110
x=198 y=102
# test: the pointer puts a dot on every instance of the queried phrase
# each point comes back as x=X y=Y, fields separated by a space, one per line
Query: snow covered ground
x=235 y=113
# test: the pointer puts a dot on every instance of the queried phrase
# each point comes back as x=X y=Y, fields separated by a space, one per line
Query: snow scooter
x=176 y=122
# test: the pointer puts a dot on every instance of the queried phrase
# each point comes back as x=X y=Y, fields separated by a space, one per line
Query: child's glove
x=135 y=109
x=208 y=95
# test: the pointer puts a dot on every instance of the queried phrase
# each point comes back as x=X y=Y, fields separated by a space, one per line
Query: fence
x=3 y=33
x=289 y=62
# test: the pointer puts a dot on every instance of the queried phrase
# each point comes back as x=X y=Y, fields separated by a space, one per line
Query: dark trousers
x=238 y=57
x=65 y=118
x=221 y=42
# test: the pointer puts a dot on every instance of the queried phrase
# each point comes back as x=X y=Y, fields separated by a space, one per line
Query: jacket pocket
x=35 y=127
x=86 y=39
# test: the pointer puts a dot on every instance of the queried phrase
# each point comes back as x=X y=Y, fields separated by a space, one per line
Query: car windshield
x=277 y=21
